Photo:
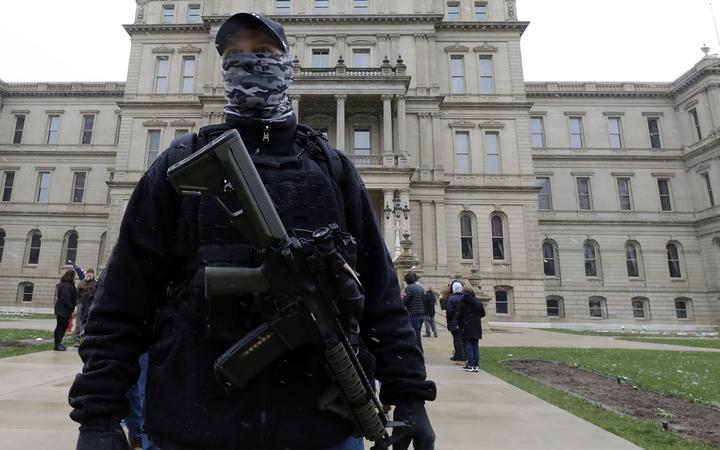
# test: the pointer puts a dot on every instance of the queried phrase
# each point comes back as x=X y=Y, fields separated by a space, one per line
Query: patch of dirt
x=6 y=345
x=688 y=419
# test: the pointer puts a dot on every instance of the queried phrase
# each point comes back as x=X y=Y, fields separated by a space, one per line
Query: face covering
x=255 y=85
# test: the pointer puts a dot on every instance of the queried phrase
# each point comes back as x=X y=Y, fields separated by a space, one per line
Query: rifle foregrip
x=354 y=392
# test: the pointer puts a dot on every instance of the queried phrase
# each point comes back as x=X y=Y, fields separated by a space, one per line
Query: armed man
x=256 y=340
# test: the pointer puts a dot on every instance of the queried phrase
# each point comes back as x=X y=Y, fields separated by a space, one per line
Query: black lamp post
x=396 y=210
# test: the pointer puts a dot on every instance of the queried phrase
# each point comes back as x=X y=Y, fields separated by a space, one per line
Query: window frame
x=637 y=261
x=453 y=17
x=509 y=303
x=317 y=9
x=483 y=76
x=316 y=52
x=75 y=188
x=166 y=18
x=454 y=78
x=688 y=309
x=23 y=292
x=184 y=75
x=645 y=303
x=546 y=186
x=149 y=143
x=581 y=132
x=595 y=259
x=560 y=307
x=190 y=16
x=49 y=135
x=282 y=9
x=84 y=132
x=603 y=307
x=17 y=139
x=363 y=51
x=588 y=195
x=502 y=239
x=618 y=134
x=497 y=155
x=709 y=188
x=33 y=250
x=478 y=7
x=67 y=248
x=695 y=123
x=555 y=258
x=361 y=9
x=669 y=196
x=467 y=157
x=658 y=134
x=533 y=134
x=675 y=259
x=464 y=237
x=39 y=186
x=361 y=129
x=628 y=195
x=7 y=190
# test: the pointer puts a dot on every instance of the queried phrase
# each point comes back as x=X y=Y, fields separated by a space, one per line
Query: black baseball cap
x=249 y=21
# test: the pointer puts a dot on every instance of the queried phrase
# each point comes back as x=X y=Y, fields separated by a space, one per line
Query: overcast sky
x=588 y=40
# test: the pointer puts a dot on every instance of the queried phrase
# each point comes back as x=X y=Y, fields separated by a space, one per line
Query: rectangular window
x=322 y=6
x=168 y=15
x=664 y=192
x=53 y=129
x=696 y=123
x=708 y=185
x=624 y=194
x=282 y=6
x=320 y=57
x=492 y=153
x=194 y=14
x=27 y=293
x=43 y=187
x=360 y=6
x=361 y=141
x=576 y=132
x=161 y=74
x=597 y=308
x=654 y=132
x=153 y=145
x=553 y=307
x=638 y=307
x=188 y=75
x=88 y=125
x=537 y=131
x=544 y=200
x=614 y=132
x=584 y=194
x=78 y=193
x=481 y=11
x=466 y=237
x=19 y=128
x=501 y=302
x=8 y=182
x=453 y=11
x=681 y=309
x=457 y=73
x=361 y=57
x=487 y=85
x=462 y=152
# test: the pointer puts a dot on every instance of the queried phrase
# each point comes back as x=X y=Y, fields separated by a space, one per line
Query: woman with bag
x=65 y=301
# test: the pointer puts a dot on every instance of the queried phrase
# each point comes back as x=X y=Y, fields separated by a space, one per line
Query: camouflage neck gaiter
x=255 y=85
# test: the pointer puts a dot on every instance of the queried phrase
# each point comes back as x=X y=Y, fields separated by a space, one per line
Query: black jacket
x=66 y=299
x=413 y=299
x=470 y=313
x=452 y=307
x=429 y=301
x=185 y=404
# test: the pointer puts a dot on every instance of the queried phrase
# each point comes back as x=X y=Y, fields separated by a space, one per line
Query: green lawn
x=698 y=342
x=16 y=335
x=692 y=376
x=599 y=333
x=13 y=316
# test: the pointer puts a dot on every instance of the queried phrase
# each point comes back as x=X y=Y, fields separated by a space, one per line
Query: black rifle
x=306 y=275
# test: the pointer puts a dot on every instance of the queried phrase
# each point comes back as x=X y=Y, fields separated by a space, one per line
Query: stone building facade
x=478 y=167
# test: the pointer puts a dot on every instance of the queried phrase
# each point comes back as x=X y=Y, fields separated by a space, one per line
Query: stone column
x=340 y=125
x=441 y=234
x=402 y=125
x=432 y=75
x=295 y=102
x=419 y=74
x=426 y=148
x=388 y=228
x=427 y=235
x=387 y=124
x=436 y=143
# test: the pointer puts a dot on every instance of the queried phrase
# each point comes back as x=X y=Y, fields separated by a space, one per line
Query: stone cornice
x=166 y=28
x=707 y=66
x=483 y=26
x=599 y=89
x=108 y=89
x=343 y=18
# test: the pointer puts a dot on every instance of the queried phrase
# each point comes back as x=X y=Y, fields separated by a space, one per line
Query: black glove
x=102 y=434
x=422 y=436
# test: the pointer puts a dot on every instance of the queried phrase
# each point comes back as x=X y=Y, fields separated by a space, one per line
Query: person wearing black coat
x=429 y=301
x=470 y=314
x=452 y=306
x=65 y=301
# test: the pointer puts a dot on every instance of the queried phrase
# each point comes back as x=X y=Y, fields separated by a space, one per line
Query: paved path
x=474 y=410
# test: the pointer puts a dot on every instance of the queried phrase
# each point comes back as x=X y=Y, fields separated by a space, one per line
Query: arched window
x=101 y=251
x=2 y=243
x=70 y=245
x=592 y=263
x=550 y=259
x=466 y=236
x=716 y=245
x=598 y=308
x=25 y=292
x=673 y=257
x=640 y=307
x=683 y=308
x=498 y=238
x=554 y=306
x=632 y=259
x=34 y=243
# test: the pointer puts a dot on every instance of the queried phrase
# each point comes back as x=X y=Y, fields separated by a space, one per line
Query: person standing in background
x=451 y=307
x=413 y=299
x=83 y=289
x=429 y=302
x=469 y=318
x=65 y=301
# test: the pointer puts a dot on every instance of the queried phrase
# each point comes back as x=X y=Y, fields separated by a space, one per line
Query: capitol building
x=571 y=204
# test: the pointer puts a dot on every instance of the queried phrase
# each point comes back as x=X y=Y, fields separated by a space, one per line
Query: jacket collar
x=262 y=136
